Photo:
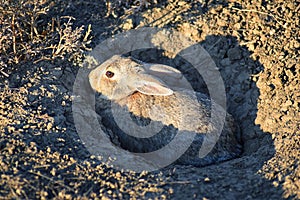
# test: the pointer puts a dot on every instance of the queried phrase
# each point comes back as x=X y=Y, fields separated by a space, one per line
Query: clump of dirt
x=255 y=45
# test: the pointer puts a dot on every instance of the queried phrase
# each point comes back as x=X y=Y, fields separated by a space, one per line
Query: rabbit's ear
x=151 y=86
x=160 y=69
x=171 y=76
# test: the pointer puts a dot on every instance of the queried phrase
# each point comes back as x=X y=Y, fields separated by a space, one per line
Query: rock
x=225 y=62
x=234 y=53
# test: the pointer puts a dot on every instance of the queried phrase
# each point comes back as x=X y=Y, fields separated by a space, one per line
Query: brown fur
x=146 y=95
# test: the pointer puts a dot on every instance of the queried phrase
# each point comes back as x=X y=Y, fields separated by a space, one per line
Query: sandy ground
x=255 y=45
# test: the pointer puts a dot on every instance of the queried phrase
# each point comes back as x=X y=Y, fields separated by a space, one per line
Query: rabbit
x=150 y=92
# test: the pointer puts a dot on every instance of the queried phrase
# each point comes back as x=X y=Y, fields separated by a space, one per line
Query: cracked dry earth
x=255 y=45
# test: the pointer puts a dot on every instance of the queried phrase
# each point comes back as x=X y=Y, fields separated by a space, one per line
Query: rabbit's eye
x=109 y=74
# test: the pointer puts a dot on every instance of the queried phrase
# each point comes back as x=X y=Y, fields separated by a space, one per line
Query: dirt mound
x=255 y=45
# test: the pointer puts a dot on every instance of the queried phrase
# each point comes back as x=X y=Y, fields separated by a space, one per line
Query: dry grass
x=27 y=33
x=127 y=5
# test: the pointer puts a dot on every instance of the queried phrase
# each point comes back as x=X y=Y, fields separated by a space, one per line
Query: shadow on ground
x=238 y=178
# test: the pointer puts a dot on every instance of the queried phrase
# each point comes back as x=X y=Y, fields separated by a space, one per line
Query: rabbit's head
x=120 y=77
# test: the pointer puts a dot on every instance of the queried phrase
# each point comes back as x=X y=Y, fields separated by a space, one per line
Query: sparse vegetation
x=127 y=5
x=27 y=33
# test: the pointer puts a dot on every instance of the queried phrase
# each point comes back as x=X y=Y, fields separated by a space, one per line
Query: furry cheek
x=107 y=86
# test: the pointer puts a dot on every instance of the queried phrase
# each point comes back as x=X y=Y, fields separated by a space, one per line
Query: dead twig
x=5 y=74
x=51 y=180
